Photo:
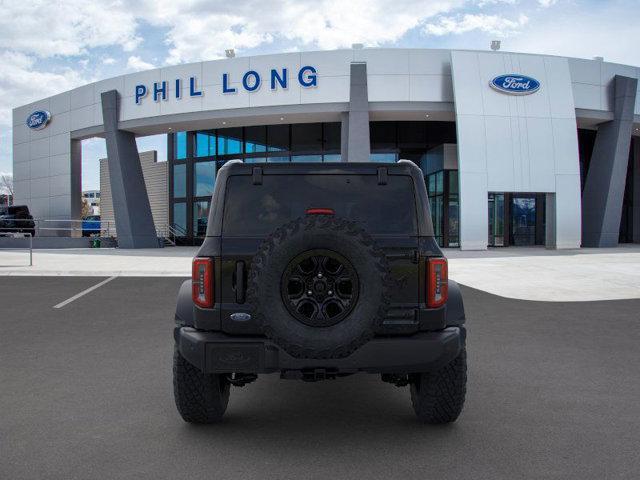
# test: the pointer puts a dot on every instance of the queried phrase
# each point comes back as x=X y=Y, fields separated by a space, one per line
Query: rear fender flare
x=455 y=307
x=184 y=306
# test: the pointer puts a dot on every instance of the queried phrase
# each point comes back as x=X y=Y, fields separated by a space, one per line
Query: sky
x=48 y=47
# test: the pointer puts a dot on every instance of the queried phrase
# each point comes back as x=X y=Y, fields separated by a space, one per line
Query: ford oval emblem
x=38 y=119
x=515 y=84
x=240 y=317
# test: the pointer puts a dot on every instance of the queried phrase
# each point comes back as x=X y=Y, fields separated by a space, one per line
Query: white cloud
x=592 y=35
x=135 y=63
x=547 y=3
x=71 y=27
x=108 y=61
x=491 y=24
x=324 y=24
x=21 y=83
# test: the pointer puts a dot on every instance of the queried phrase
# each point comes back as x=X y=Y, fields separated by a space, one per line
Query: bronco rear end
x=315 y=271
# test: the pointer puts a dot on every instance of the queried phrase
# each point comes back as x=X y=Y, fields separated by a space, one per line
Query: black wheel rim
x=320 y=288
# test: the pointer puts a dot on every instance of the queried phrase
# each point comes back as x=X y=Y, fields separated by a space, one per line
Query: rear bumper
x=214 y=352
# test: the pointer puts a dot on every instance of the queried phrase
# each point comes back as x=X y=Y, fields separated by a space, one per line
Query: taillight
x=202 y=282
x=320 y=211
x=437 y=282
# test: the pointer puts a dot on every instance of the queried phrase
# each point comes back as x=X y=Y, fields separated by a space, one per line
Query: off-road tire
x=200 y=397
x=438 y=397
x=308 y=233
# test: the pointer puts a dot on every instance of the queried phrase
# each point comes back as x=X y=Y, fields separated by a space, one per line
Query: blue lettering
x=141 y=92
x=275 y=77
x=225 y=84
x=311 y=79
x=157 y=90
x=178 y=91
x=192 y=88
x=256 y=81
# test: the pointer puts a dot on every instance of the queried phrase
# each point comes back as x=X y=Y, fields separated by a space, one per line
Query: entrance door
x=523 y=220
x=496 y=220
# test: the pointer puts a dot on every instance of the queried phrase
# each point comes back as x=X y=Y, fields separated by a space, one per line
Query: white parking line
x=83 y=293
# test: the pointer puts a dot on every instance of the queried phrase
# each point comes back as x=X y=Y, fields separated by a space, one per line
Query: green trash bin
x=95 y=243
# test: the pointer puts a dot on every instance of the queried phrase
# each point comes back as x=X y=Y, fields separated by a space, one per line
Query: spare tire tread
x=326 y=223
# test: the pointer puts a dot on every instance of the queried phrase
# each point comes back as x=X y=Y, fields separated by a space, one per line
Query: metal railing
x=46 y=227
x=20 y=235
x=78 y=228
x=171 y=232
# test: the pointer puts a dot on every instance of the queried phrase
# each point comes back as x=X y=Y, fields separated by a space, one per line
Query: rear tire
x=200 y=397
x=438 y=397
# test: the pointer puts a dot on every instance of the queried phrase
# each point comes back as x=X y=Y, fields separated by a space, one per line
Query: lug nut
x=329 y=292
x=309 y=292
x=319 y=275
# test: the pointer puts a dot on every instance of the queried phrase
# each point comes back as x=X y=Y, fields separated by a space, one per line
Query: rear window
x=259 y=209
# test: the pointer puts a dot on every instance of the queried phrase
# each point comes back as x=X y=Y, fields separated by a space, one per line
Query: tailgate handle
x=240 y=281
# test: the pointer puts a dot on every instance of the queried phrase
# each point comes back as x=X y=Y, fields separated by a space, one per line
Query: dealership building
x=516 y=149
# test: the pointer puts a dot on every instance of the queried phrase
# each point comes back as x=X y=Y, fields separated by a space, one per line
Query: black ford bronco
x=317 y=271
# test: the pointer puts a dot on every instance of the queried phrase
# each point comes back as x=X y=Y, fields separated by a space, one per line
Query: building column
x=605 y=183
x=357 y=124
x=550 y=227
x=636 y=190
x=131 y=208
x=474 y=209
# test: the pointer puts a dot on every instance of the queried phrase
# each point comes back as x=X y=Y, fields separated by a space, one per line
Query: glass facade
x=442 y=187
x=196 y=156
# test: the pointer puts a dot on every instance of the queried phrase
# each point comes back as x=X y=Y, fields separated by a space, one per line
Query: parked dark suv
x=317 y=271
x=17 y=219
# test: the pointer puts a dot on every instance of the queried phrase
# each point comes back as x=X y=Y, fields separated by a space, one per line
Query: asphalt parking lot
x=85 y=392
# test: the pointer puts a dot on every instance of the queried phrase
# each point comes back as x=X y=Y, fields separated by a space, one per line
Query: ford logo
x=515 y=84
x=38 y=119
x=240 y=317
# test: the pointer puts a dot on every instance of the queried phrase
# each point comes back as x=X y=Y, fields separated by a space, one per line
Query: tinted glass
x=229 y=141
x=278 y=137
x=453 y=182
x=439 y=182
x=383 y=135
x=277 y=159
x=204 y=177
x=333 y=157
x=412 y=134
x=200 y=216
x=260 y=209
x=180 y=216
x=306 y=137
x=180 y=146
x=180 y=180
x=205 y=144
x=306 y=158
x=332 y=137
x=383 y=157
x=255 y=139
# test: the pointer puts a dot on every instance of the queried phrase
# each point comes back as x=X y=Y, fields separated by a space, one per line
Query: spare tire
x=318 y=286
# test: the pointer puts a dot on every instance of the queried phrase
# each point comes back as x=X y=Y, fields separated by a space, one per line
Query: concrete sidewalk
x=550 y=275
x=154 y=262
x=520 y=273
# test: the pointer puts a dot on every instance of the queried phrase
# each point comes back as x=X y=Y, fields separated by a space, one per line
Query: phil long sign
x=250 y=81
x=515 y=84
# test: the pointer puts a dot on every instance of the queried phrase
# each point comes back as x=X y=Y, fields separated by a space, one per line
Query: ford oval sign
x=515 y=84
x=38 y=119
